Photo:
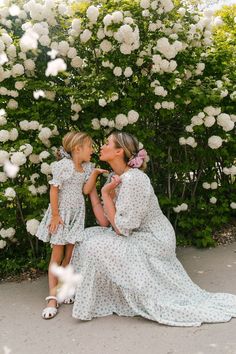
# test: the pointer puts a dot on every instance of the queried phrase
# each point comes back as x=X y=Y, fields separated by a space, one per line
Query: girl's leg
x=56 y=257
x=68 y=253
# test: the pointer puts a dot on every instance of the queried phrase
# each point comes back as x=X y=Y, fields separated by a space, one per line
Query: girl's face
x=85 y=151
x=109 y=151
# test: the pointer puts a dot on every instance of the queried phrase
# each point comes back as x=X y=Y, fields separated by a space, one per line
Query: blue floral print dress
x=137 y=273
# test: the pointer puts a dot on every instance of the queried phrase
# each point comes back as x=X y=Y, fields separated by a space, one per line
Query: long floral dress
x=137 y=273
x=71 y=203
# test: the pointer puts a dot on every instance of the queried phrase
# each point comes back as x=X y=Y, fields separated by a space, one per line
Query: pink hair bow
x=138 y=159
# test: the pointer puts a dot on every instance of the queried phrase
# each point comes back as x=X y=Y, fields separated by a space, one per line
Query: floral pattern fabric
x=71 y=203
x=137 y=273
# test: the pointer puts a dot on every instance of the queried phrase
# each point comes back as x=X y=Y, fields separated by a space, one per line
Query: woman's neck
x=119 y=167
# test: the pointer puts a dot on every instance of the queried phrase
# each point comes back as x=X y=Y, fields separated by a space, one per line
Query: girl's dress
x=137 y=273
x=71 y=203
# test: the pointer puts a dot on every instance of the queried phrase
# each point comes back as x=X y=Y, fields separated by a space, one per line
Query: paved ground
x=22 y=331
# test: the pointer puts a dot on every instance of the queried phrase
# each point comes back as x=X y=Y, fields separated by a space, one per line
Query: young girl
x=63 y=221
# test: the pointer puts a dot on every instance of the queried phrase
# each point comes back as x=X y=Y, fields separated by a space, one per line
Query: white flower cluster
x=32 y=226
x=188 y=141
x=25 y=125
x=46 y=133
x=212 y=185
x=128 y=38
x=3 y=117
x=233 y=205
x=76 y=108
x=10 y=193
x=55 y=66
x=181 y=207
x=121 y=120
x=162 y=65
x=6 y=135
x=230 y=170
x=7 y=233
x=167 y=49
x=37 y=190
x=5 y=92
x=213 y=200
x=2 y=244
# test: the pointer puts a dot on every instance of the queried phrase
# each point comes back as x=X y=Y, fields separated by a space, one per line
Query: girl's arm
x=90 y=184
x=98 y=208
x=56 y=219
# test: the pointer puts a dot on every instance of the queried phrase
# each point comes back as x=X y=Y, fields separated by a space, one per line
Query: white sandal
x=49 y=312
x=69 y=300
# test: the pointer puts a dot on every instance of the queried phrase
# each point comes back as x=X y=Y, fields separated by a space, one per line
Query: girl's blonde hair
x=129 y=144
x=73 y=139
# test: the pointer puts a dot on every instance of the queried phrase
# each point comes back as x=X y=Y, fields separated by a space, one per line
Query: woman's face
x=109 y=151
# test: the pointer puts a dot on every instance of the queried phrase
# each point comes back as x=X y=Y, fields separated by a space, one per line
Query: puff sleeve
x=88 y=169
x=132 y=202
x=61 y=171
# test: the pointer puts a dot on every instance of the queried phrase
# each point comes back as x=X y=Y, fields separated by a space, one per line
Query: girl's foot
x=51 y=310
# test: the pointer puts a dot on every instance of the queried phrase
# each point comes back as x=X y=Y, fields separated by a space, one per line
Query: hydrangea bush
x=152 y=68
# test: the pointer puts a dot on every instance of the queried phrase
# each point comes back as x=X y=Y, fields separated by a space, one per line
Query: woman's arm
x=109 y=205
x=55 y=219
x=98 y=208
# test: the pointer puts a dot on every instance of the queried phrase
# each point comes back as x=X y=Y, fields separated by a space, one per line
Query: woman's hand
x=54 y=223
x=110 y=187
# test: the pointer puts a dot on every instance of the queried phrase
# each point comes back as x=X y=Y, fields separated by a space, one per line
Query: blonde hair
x=129 y=144
x=73 y=139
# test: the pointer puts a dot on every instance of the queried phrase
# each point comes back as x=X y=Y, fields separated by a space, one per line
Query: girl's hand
x=110 y=187
x=54 y=223
x=99 y=171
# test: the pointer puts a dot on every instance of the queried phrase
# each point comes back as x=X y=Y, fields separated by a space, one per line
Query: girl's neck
x=77 y=161
x=119 y=167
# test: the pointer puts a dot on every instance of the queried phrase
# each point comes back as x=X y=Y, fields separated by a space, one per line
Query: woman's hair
x=129 y=144
x=71 y=140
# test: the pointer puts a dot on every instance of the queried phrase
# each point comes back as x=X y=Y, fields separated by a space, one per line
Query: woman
x=131 y=268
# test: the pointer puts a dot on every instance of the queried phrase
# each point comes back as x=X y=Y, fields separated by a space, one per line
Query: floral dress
x=71 y=203
x=137 y=273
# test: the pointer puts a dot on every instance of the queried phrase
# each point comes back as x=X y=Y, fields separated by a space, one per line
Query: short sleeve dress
x=137 y=273
x=71 y=203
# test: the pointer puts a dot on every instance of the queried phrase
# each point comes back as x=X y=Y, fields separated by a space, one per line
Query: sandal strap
x=50 y=298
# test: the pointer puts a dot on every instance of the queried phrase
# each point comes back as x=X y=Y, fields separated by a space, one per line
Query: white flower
x=69 y=280
x=189 y=128
x=206 y=185
x=184 y=207
x=34 y=158
x=4 y=135
x=121 y=120
x=181 y=11
x=42 y=189
x=24 y=125
x=76 y=24
x=145 y=4
x=32 y=226
x=102 y=102
x=95 y=124
x=3 y=156
x=10 y=194
x=104 y=122
x=45 y=168
x=13 y=134
x=27 y=149
x=107 y=20
x=133 y=116
x=209 y=121
x=177 y=209
x=190 y=141
x=211 y=111
x=43 y=155
x=3 y=177
x=214 y=185
x=17 y=70
x=117 y=71
x=233 y=205
x=63 y=47
x=34 y=177
x=18 y=158
x=85 y=36
x=32 y=189
x=45 y=133
x=128 y=72
x=195 y=120
x=55 y=66
x=214 y=142
x=106 y=46
x=213 y=200
x=76 y=107
x=29 y=40
x=11 y=169
x=114 y=97
x=182 y=141
x=77 y=62
x=38 y=93
x=117 y=16
x=92 y=13
x=72 y=52
x=29 y=64
x=12 y=104
x=2 y=245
